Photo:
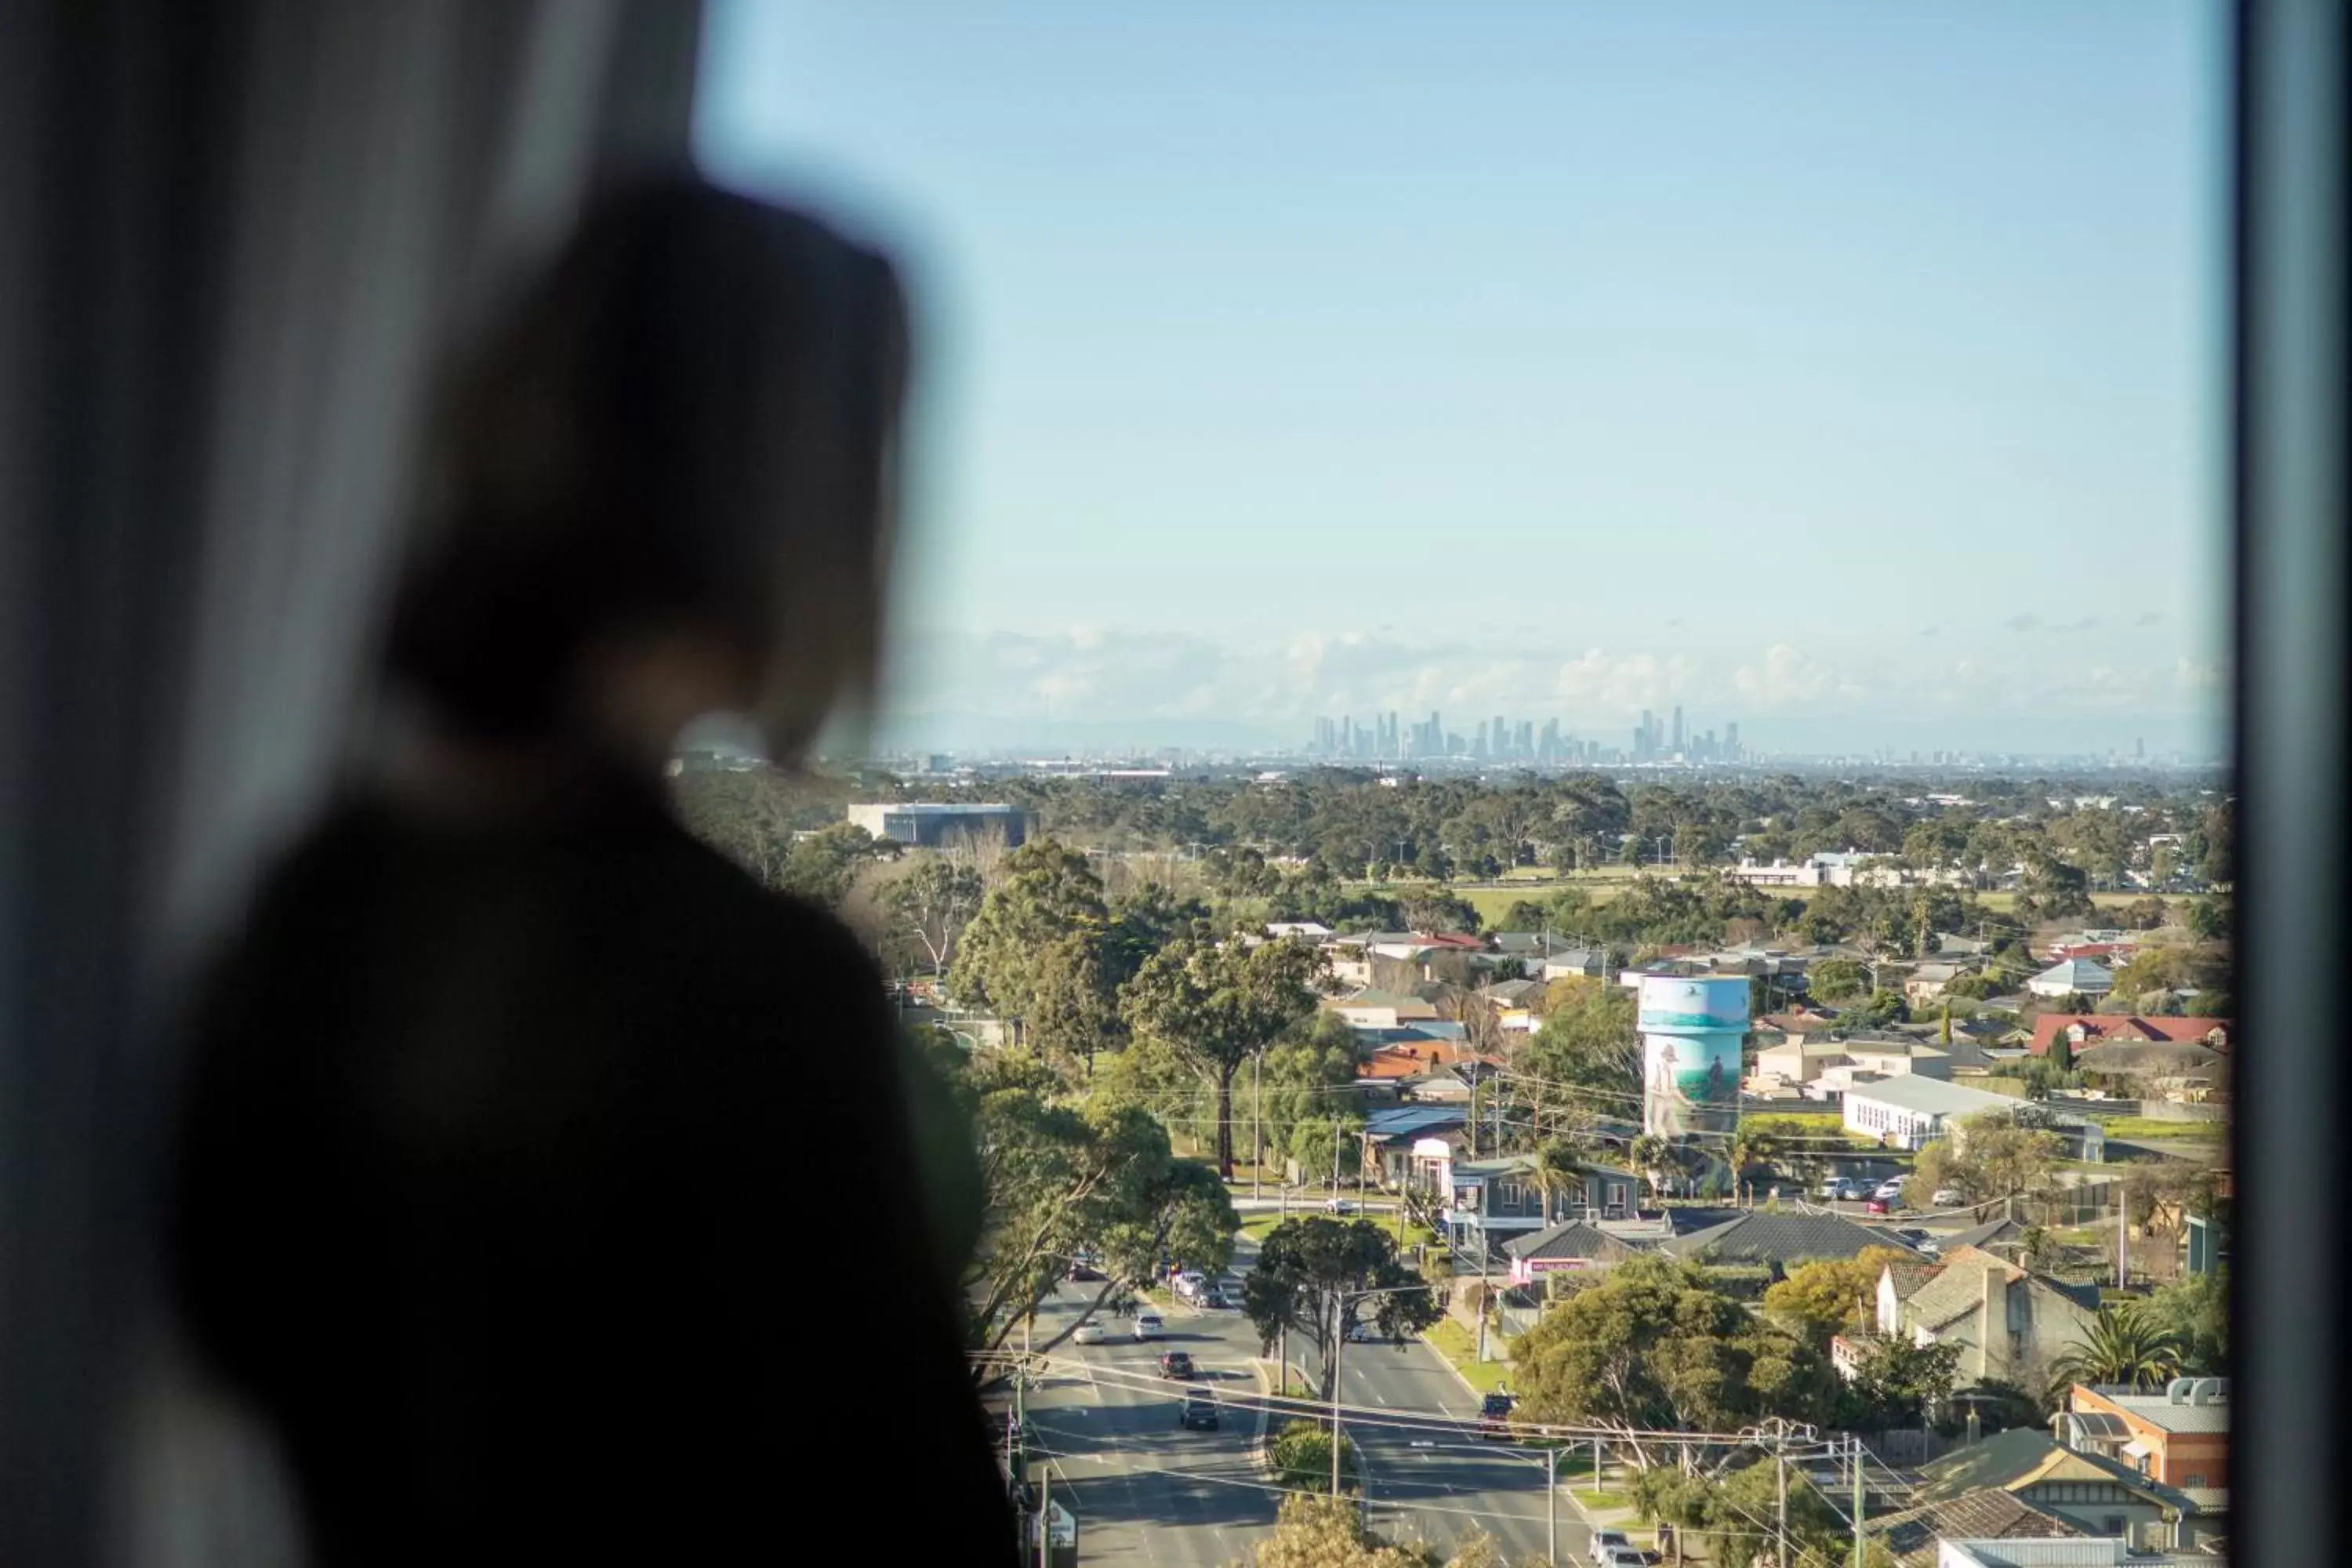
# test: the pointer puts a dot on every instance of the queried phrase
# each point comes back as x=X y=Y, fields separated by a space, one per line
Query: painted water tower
x=1691 y=1029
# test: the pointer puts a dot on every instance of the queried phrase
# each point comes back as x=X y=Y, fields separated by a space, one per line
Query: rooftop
x=1988 y=1513
x=1762 y=1236
x=1930 y=1097
x=2170 y=1410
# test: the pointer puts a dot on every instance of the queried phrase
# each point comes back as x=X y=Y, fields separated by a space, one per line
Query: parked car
x=1604 y=1539
x=1176 y=1365
x=1494 y=1415
x=1619 y=1557
x=1878 y=1206
x=1889 y=1190
x=1840 y=1189
x=1199 y=1414
x=1191 y=1285
x=1090 y=1333
x=1948 y=1198
x=1148 y=1326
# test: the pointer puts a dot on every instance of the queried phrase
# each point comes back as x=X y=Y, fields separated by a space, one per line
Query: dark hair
x=687 y=417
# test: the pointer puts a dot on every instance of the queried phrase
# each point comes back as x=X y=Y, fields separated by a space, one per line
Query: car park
x=1199 y=1414
x=1176 y=1365
x=1148 y=1326
x=1089 y=1333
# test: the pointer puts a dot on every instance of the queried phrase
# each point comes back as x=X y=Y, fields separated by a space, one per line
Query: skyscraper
x=1645 y=738
x=1678 y=728
x=1731 y=742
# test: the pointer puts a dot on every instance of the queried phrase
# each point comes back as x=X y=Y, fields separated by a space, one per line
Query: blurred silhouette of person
x=509 y=1103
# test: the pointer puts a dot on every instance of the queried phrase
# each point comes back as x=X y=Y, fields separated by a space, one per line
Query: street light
x=1339 y=1337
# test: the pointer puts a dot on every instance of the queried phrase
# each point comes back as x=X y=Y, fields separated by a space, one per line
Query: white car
x=1364 y=1333
x=1191 y=1284
x=1889 y=1190
x=1089 y=1333
x=1148 y=1326
x=1948 y=1198
x=1840 y=1189
x=1611 y=1541
x=1618 y=1557
x=1339 y=1206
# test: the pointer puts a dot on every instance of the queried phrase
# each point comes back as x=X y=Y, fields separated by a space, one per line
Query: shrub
x=1301 y=1453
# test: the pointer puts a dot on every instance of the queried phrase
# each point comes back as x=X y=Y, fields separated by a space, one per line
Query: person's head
x=663 y=482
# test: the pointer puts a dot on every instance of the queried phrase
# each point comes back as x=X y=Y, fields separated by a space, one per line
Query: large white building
x=928 y=825
x=1914 y=1111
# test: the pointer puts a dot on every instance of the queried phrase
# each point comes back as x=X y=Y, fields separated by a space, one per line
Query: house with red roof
x=2084 y=1030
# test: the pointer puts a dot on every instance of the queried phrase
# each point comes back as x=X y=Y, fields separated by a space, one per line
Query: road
x=1437 y=1486
x=1146 y=1493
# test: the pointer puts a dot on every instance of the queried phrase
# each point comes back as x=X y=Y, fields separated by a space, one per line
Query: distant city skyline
x=1855 y=369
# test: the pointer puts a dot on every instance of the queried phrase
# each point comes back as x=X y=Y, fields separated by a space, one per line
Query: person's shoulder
x=789 y=932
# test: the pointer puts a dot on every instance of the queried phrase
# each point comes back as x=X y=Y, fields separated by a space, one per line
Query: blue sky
x=1850 y=371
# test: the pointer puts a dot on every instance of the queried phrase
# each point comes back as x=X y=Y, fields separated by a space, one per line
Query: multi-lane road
x=1147 y=1492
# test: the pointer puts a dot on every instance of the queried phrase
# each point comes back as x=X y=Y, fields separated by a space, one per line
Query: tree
x=1321 y=1143
x=2148 y=913
x=1987 y=1156
x=1312 y=1278
x=2206 y=921
x=1650 y=1155
x=1558 y=1171
x=1831 y=1295
x=1058 y=1179
x=1316 y=1531
x=2126 y=1344
x=1834 y=979
x=1301 y=1454
x=2196 y=1312
x=1217 y=1006
x=927 y=908
x=1585 y=1053
x=1048 y=896
x=1898 y=1383
x=1654 y=1346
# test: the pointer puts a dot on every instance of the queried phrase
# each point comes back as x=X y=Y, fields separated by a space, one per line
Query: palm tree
x=1751 y=1146
x=2122 y=1346
x=1648 y=1153
x=1559 y=1168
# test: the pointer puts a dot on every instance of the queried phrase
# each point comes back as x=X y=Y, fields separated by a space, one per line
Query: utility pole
x=1551 y=1507
x=2123 y=1235
x=1780 y=1487
x=1859 y=1561
x=1257 y=1129
x=1045 y=1515
x=1339 y=1334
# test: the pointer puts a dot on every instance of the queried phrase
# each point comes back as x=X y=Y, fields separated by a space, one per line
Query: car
x=1198 y=1413
x=1889 y=1190
x=1948 y=1198
x=1494 y=1415
x=1363 y=1333
x=1191 y=1285
x=1840 y=1189
x=1222 y=1295
x=1619 y=1557
x=1604 y=1539
x=1176 y=1365
x=1085 y=1267
x=1148 y=1326
x=1089 y=1333
x=1878 y=1206
x=1339 y=1206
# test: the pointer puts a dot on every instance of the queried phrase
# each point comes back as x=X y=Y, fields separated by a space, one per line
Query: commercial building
x=1912 y=1111
x=931 y=826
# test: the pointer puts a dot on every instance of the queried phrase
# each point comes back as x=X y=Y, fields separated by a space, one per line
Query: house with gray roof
x=2009 y=1324
x=1913 y=1536
x=1781 y=1240
x=2100 y=1495
x=1912 y=1110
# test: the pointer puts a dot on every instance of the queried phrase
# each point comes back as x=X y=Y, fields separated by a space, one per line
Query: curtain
x=232 y=234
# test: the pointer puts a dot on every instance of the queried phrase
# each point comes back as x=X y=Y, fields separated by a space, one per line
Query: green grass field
x=2137 y=1128
x=1459 y=1346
